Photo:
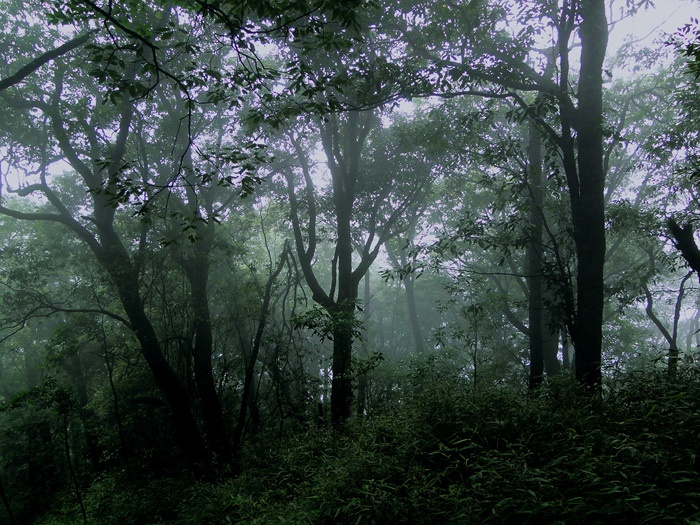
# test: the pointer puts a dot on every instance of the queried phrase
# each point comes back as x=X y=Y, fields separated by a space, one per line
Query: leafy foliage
x=449 y=456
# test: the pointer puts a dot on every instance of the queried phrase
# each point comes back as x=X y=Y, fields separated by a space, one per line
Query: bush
x=445 y=455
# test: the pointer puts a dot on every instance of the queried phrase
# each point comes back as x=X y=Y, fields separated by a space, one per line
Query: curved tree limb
x=44 y=58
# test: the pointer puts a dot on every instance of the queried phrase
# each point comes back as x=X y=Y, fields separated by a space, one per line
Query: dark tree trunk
x=116 y=261
x=343 y=149
x=112 y=254
x=588 y=205
x=197 y=271
x=341 y=382
x=343 y=312
x=672 y=336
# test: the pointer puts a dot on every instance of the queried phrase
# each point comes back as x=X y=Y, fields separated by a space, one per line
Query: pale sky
x=650 y=24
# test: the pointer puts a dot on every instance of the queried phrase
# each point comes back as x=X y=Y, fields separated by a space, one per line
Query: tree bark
x=341 y=382
x=197 y=271
x=587 y=196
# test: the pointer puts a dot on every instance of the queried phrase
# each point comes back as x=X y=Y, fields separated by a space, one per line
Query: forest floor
x=449 y=456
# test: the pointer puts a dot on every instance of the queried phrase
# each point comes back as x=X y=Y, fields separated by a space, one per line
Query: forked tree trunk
x=186 y=431
x=197 y=274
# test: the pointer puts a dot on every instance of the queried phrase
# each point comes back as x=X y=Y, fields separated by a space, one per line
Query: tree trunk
x=341 y=382
x=73 y=476
x=685 y=243
x=74 y=367
x=588 y=205
x=670 y=337
x=248 y=382
x=550 y=346
x=534 y=259
x=409 y=286
x=343 y=149
x=116 y=261
x=198 y=273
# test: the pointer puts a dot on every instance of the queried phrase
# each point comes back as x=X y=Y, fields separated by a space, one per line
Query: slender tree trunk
x=671 y=337
x=74 y=367
x=197 y=270
x=550 y=346
x=74 y=478
x=588 y=210
x=117 y=415
x=249 y=383
x=409 y=286
x=534 y=259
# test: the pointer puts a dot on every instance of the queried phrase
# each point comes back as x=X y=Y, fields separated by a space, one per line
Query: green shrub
x=446 y=455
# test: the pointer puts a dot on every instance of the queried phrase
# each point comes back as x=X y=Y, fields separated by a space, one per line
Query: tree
x=355 y=173
x=100 y=233
x=149 y=55
x=496 y=64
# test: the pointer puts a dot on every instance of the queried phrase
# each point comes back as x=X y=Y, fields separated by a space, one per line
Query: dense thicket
x=448 y=456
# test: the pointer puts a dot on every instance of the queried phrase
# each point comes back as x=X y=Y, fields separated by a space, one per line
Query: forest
x=349 y=261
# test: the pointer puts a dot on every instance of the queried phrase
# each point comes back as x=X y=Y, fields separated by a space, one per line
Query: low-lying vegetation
x=447 y=455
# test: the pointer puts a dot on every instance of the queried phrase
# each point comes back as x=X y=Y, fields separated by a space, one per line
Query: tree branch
x=44 y=58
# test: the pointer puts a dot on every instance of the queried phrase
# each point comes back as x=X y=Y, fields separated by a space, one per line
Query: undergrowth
x=445 y=455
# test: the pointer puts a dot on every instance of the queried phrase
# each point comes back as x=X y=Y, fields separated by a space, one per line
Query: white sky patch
x=652 y=23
